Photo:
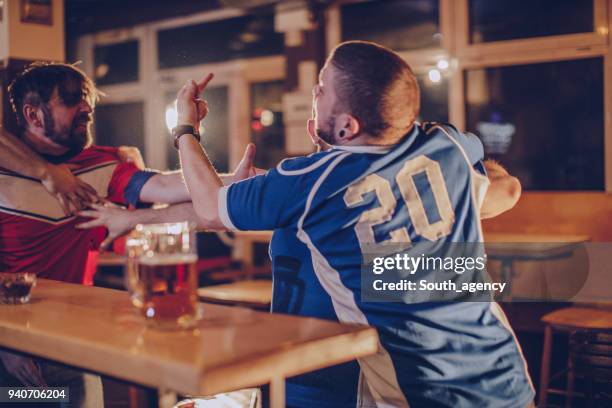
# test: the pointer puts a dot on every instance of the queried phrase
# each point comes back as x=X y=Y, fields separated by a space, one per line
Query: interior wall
x=27 y=41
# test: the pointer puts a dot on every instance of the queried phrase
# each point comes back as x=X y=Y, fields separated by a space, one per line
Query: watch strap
x=181 y=130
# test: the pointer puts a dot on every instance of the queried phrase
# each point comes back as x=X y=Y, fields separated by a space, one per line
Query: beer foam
x=167 y=259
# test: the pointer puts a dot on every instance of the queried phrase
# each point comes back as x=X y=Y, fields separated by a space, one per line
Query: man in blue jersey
x=386 y=180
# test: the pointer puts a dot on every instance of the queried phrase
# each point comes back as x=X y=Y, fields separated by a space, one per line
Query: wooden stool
x=256 y=294
x=570 y=319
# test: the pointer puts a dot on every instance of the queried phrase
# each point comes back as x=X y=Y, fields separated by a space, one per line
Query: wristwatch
x=181 y=130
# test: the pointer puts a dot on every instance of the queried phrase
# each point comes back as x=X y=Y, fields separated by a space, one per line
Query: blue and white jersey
x=325 y=208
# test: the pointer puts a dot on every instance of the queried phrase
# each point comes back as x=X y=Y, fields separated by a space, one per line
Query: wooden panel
x=588 y=213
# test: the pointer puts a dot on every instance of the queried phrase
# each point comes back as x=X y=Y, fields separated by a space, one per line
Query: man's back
x=349 y=203
x=36 y=235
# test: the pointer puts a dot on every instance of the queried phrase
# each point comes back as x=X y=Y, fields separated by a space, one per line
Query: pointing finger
x=202 y=84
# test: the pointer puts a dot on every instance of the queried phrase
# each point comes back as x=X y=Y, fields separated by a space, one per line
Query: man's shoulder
x=95 y=156
x=296 y=166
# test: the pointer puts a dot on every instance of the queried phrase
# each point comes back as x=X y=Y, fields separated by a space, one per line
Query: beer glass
x=161 y=274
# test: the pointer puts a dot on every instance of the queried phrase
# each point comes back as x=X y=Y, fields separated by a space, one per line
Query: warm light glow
x=171 y=116
x=443 y=64
x=434 y=76
x=102 y=70
x=267 y=117
x=602 y=30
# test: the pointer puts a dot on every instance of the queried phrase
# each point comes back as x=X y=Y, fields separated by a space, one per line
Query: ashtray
x=15 y=287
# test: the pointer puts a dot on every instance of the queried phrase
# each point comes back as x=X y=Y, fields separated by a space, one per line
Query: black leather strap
x=181 y=130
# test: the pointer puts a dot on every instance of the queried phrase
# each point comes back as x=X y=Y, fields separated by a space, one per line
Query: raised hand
x=73 y=194
x=131 y=154
x=191 y=109
x=115 y=218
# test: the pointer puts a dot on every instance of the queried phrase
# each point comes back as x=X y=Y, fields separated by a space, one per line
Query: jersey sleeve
x=274 y=200
x=263 y=202
x=126 y=183
x=471 y=145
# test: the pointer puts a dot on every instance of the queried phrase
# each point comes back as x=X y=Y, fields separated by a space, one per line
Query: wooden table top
x=97 y=329
x=494 y=237
x=531 y=245
x=255 y=236
x=247 y=292
x=498 y=237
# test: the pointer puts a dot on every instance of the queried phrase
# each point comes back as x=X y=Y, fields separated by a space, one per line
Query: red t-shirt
x=36 y=235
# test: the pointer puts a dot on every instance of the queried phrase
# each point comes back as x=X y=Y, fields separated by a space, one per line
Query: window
x=408 y=24
x=434 y=96
x=545 y=121
x=116 y=63
x=216 y=41
x=120 y=124
x=267 y=129
x=214 y=128
x=500 y=20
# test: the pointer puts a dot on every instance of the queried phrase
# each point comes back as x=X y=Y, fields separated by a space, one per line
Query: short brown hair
x=36 y=84
x=376 y=86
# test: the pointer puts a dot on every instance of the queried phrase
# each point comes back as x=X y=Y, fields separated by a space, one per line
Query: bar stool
x=586 y=327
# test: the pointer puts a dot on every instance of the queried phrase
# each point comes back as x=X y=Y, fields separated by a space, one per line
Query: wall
x=32 y=41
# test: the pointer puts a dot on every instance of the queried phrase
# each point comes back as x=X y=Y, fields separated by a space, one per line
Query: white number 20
x=405 y=181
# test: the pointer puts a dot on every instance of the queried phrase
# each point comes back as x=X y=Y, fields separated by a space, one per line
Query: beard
x=75 y=137
x=326 y=132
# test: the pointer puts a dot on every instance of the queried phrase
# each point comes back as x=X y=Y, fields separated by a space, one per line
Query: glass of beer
x=161 y=274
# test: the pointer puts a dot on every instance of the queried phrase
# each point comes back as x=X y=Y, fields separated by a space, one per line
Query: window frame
x=533 y=51
x=154 y=83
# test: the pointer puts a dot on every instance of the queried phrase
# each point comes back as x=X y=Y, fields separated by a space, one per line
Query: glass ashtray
x=15 y=288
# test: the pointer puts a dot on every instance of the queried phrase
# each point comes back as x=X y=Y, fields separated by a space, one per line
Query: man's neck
x=365 y=139
x=43 y=145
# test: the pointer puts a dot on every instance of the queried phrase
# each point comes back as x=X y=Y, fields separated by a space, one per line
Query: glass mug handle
x=133 y=283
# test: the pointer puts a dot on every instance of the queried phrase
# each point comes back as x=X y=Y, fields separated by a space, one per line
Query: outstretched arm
x=58 y=180
x=503 y=192
x=120 y=221
x=169 y=188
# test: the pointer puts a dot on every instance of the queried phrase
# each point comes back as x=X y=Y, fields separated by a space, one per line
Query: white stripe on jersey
x=223 y=211
x=27 y=197
x=306 y=169
x=378 y=369
x=365 y=149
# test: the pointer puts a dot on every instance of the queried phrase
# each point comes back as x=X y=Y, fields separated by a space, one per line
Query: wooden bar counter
x=98 y=330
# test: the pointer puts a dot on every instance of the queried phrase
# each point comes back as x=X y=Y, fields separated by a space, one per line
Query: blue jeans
x=85 y=389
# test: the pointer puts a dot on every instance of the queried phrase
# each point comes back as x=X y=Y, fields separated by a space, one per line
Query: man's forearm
x=18 y=157
x=172 y=213
x=170 y=188
x=503 y=193
x=202 y=180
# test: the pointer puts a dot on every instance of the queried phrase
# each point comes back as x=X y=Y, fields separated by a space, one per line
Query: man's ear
x=347 y=127
x=33 y=116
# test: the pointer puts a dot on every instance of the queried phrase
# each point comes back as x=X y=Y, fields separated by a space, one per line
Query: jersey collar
x=366 y=149
x=379 y=149
x=64 y=157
